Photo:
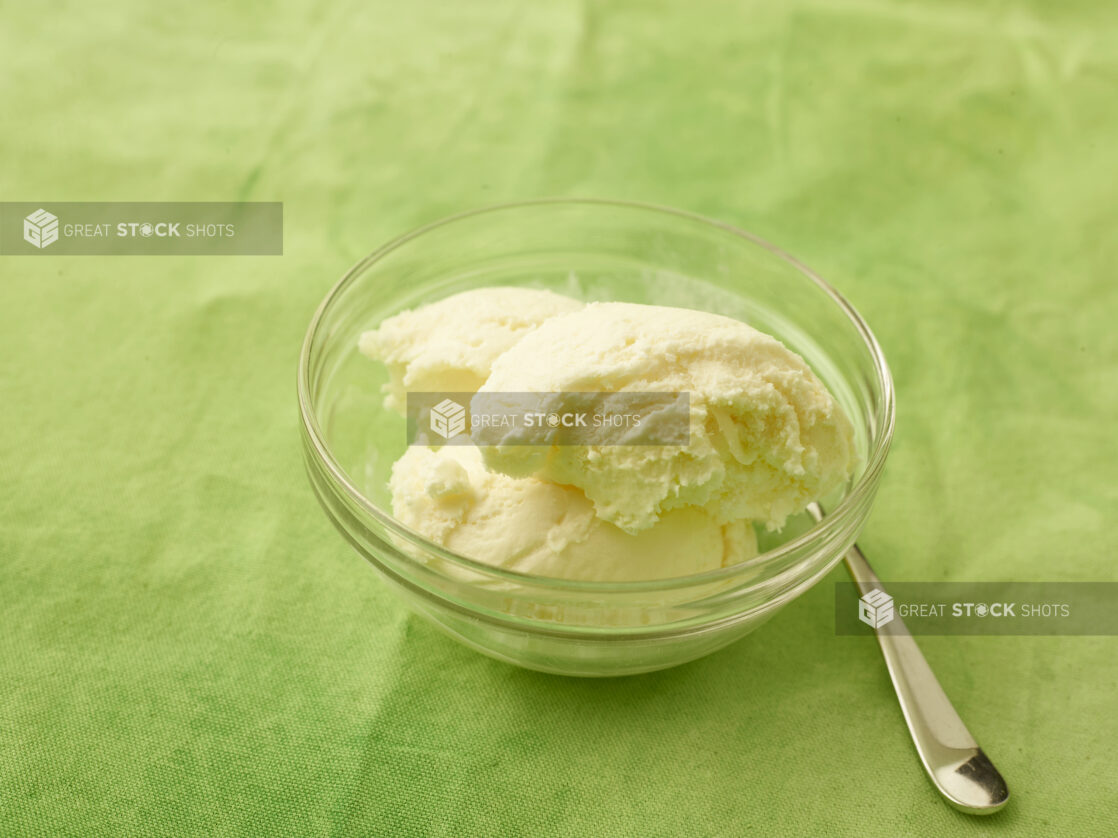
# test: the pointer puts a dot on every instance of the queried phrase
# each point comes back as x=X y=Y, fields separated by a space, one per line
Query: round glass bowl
x=591 y=250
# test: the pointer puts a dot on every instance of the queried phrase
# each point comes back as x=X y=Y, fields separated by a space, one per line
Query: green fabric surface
x=188 y=647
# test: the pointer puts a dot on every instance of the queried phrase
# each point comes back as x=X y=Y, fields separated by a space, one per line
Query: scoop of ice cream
x=542 y=528
x=450 y=345
x=766 y=437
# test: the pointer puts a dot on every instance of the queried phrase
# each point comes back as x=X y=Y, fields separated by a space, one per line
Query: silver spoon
x=954 y=762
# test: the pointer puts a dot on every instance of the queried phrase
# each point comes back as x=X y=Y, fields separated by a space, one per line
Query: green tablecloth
x=187 y=646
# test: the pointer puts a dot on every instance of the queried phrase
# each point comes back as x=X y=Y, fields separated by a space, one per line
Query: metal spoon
x=954 y=762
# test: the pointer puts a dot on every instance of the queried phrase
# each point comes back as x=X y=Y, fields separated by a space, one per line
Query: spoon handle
x=955 y=763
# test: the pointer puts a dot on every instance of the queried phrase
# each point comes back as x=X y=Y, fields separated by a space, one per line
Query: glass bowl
x=592 y=250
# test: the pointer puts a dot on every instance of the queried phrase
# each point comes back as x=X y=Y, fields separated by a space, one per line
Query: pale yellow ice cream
x=450 y=345
x=542 y=528
x=767 y=437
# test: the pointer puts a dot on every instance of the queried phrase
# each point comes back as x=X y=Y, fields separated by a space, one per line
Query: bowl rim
x=831 y=521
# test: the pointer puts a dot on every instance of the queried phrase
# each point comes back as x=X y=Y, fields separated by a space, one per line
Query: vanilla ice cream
x=450 y=345
x=538 y=527
x=766 y=436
